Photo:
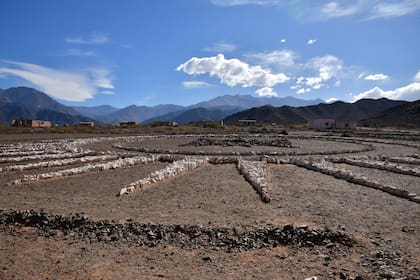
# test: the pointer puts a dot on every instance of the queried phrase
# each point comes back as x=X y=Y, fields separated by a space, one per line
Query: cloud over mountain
x=65 y=85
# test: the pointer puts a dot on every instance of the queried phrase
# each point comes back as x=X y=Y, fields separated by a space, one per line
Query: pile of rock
x=173 y=169
x=184 y=236
x=255 y=172
x=119 y=163
x=240 y=141
x=339 y=173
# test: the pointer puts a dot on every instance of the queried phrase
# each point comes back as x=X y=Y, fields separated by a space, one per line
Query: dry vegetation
x=186 y=202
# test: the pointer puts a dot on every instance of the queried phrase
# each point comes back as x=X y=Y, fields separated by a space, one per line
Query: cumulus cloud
x=303 y=90
x=195 y=84
x=326 y=67
x=95 y=38
x=376 y=77
x=221 y=47
x=232 y=72
x=246 y=2
x=311 y=41
x=281 y=58
x=107 y=92
x=409 y=92
x=283 y=40
x=57 y=83
x=266 y=91
x=417 y=77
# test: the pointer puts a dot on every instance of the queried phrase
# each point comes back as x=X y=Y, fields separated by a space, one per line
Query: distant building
x=247 y=122
x=86 y=124
x=164 y=123
x=31 y=123
x=321 y=124
x=331 y=124
x=127 y=123
x=345 y=124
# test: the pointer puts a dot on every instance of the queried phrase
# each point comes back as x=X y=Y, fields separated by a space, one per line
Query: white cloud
x=266 y=91
x=282 y=58
x=246 y=2
x=221 y=47
x=358 y=9
x=232 y=72
x=394 y=9
x=334 y=10
x=195 y=84
x=303 y=90
x=311 y=41
x=107 y=92
x=361 y=75
x=318 y=86
x=101 y=78
x=313 y=81
x=417 y=77
x=300 y=80
x=409 y=92
x=331 y=100
x=283 y=40
x=95 y=38
x=337 y=84
x=79 y=52
x=327 y=66
x=57 y=83
x=376 y=77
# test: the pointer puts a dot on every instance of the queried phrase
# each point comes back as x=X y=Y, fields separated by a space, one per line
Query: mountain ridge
x=338 y=110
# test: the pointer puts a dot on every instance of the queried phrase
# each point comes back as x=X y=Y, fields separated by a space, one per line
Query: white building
x=331 y=124
x=321 y=124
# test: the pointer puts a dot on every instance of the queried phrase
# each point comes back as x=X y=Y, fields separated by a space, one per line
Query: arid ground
x=209 y=222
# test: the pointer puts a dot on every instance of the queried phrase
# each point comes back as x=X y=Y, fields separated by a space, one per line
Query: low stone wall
x=184 y=236
x=408 y=159
x=62 y=162
x=256 y=173
x=57 y=155
x=347 y=175
x=173 y=169
x=119 y=163
x=382 y=165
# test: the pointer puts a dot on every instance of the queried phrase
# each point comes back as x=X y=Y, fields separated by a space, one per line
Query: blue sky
x=182 y=52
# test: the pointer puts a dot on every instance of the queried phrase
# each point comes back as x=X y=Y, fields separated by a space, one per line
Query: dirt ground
x=385 y=228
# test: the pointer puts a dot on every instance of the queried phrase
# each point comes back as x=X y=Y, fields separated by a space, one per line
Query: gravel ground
x=385 y=228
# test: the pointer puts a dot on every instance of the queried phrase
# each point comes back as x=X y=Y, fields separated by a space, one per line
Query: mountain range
x=214 y=109
x=407 y=114
x=28 y=103
x=339 y=110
